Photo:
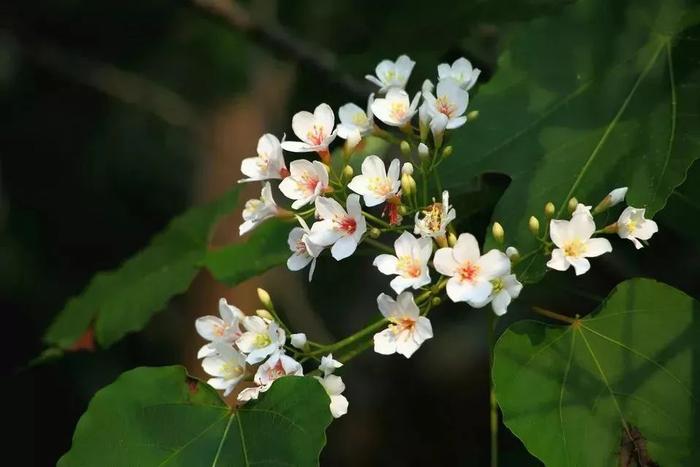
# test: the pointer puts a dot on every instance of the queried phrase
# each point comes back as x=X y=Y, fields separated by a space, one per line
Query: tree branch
x=282 y=42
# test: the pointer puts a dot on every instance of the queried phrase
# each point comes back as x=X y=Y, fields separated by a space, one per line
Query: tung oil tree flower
x=392 y=74
x=338 y=227
x=307 y=181
x=634 y=227
x=335 y=387
x=226 y=328
x=574 y=242
x=450 y=101
x=260 y=339
x=268 y=164
x=471 y=274
x=376 y=184
x=226 y=365
x=256 y=211
x=395 y=109
x=355 y=122
x=461 y=72
x=407 y=329
x=329 y=364
x=304 y=251
x=432 y=221
x=410 y=265
x=277 y=366
x=315 y=130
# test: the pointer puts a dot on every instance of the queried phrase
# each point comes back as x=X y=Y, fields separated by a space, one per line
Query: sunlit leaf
x=622 y=381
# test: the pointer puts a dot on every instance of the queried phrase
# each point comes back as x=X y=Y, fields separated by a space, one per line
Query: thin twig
x=281 y=41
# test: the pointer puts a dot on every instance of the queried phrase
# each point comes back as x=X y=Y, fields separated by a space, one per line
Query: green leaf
x=162 y=416
x=123 y=300
x=576 y=110
x=265 y=248
x=576 y=394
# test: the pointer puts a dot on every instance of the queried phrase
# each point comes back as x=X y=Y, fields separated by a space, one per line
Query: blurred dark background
x=118 y=115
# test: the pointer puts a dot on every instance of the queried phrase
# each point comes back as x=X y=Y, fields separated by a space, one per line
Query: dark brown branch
x=282 y=42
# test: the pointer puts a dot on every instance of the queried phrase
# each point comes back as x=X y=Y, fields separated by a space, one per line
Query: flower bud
x=347 y=171
x=403 y=210
x=298 y=340
x=408 y=184
x=614 y=197
x=435 y=301
x=265 y=314
x=611 y=229
x=447 y=152
x=534 y=225
x=264 y=298
x=451 y=239
x=573 y=202
x=438 y=124
x=549 y=210
x=423 y=151
x=374 y=232
x=427 y=87
x=513 y=254
x=407 y=168
x=405 y=148
x=424 y=121
x=498 y=232
x=473 y=115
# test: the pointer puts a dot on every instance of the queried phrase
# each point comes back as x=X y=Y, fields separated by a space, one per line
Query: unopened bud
x=423 y=151
x=298 y=340
x=573 y=202
x=498 y=232
x=447 y=152
x=264 y=298
x=265 y=314
x=407 y=184
x=614 y=197
x=405 y=148
x=549 y=210
x=435 y=301
x=441 y=240
x=451 y=239
x=473 y=115
x=403 y=210
x=407 y=168
x=534 y=225
x=513 y=254
x=347 y=171
x=610 y=229
x=427 y=87
x=374 y=232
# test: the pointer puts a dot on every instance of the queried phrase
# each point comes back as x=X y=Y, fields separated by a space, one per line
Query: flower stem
x=493 y=419
x=362 y=333
x=379 y=246
x=375 y=219
x=553 y=315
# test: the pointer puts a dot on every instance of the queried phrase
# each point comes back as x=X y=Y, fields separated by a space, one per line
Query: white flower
x=461 y=72
x=410 y=263
x=617 y=196
x=427 y=86
x=574 y=242
x=505 y=289
x=226 y=365
x=307 y=180
x=262 y=338
x=334 y=387
x=471 y=274
x=395 y=109
x=438 y=124
x=277 y=366
x=451 y=101
x=633 y=226
x=258 y=210
x=582 y=209
x=355 y=122
x=376 y=184
x=392 y=74
x=304 y=251
x=329 y=364
x=315 y=130
x=215 y=329
x=340 y=228
x=433 y=221
x=298 y=340
x=407 y=331
x=269 y=162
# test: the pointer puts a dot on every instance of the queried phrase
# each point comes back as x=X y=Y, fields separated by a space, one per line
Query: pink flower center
x=276 y=371
x=408 y=267
x=316 y=135
x=468 y=271
x=402 y=324
x=444 y=106
x=309 y=182
x=347 y=224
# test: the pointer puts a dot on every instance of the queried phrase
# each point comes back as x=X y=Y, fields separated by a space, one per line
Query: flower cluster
x=340 y=211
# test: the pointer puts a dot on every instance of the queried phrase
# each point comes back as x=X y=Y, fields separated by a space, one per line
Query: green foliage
x=162 y=416
x=580 y=105
x=265 y=248
x=122 y=301
x=574 y=394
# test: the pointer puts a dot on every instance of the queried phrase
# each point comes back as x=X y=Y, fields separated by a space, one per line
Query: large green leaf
x=161 y=416
x=603 y=95
x=576 y=394
x=265 y=248
x=122 y=301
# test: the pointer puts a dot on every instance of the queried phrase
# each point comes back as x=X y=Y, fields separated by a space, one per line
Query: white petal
x=373 y=166
x=386 y=264
x=384 y=342
x=209 y=327
x=405 y=244
x=494 y=264
x=298 y=261
x=343 y=248
x=581 y=265
x=387 y=305
x=500 y=302
x=582 y=226
x=302 y=124
x=597 y=246
x=323 y=115
x=466 y=248
x=444 y=262
x=558 y=260
x=559 y=232
x=339 y=406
